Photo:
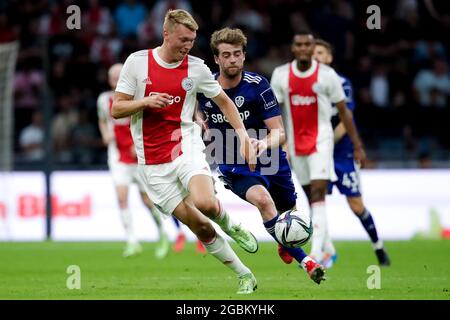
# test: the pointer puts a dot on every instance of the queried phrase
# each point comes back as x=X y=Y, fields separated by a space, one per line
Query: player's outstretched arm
x=230 y=112
x=124 y=105
x=346 y=118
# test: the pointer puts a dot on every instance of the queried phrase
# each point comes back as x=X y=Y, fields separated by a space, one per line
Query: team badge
x=187 y=84
x=239 y=101
x=317 y=88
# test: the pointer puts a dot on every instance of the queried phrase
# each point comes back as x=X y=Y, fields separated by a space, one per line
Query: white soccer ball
x=293 y=228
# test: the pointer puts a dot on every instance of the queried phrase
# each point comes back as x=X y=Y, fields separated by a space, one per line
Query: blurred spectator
x=432 y=87
x=128 y=16
x=65 y=119
x=428 y=49
x=379 y=86
x=97 y=18
x=84 y=139
x=105 y=50
x=53 y=22
x=28 y=84
x=245 y=16
x=31 y=140
x=146 y=32
x=273 y=59
x=400 y=84
x=158 y=13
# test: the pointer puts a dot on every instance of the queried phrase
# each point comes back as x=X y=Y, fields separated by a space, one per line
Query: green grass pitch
x=420 y=270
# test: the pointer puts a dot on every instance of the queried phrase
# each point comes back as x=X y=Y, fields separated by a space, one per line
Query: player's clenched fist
x=360 y=156
x=259 y=145
x=157 y=100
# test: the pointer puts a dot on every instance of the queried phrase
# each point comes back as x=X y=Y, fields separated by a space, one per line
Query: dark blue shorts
x=280 y=186
x=348 y=182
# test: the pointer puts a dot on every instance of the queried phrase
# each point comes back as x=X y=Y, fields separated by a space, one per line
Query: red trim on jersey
x=161 y=128
x=124 y=140
x=304 y=111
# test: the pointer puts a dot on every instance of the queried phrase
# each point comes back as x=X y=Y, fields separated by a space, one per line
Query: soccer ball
x=293 y=228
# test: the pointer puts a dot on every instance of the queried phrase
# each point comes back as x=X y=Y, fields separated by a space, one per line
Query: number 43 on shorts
x=350 y=180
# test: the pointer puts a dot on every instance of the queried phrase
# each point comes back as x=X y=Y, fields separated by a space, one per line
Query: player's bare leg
x=260 y=197
x=357 y=206
x=201 y=226
x=180 y=241
x=133 y=247
x=162 y=249
x=315 y=192
x=202 y=195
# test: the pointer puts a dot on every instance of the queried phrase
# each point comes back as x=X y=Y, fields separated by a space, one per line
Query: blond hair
x=178 y=16
x=325 y=44
x=229 y=36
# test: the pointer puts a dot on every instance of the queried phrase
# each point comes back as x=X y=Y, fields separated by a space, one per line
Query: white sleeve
x=128 y=81
x=335 y=90
x=206 y=82
x=277 y=85
x=102 y=107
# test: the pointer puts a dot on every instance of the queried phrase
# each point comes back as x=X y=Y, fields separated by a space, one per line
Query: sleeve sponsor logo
x=269 y=98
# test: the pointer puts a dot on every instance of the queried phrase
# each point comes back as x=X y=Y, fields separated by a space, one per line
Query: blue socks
x=298 y=254
x=368 y=224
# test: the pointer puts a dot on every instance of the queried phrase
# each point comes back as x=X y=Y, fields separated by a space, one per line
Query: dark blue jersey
x=344 y=148
x=255 y=102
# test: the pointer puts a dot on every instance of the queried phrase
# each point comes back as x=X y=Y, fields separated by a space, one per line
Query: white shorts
x=316 y=166
x=167 y=184
x=124 y=174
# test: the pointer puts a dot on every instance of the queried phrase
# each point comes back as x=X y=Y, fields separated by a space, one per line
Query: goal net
x=8 y=57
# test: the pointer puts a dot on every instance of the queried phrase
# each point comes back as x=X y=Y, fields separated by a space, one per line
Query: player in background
x=158 y=88
x=306 y=91
x=180 y=240
x=122 y=162
x=270 y=187
x=345 y=166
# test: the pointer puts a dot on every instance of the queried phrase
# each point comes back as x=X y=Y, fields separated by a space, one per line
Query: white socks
x=220 y=249
x=329 y=246
x=223 y=219
x=320 y=232
x=127 y=222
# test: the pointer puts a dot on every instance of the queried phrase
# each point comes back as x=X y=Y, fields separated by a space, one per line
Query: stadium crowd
x=399 y=72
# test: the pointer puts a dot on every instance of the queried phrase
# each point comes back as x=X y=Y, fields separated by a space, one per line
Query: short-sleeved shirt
x=307 y=99
x=161 y=135
x=120 y=148
x=255 y=102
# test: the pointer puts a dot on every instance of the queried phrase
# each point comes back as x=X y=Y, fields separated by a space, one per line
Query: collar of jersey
x=304 y=74
x=216 y=76
x=162 y=63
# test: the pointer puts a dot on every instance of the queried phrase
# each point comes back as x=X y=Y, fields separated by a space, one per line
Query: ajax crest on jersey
x=187 y=84
x=239 y=101
x=293 y=228
x=318 y=88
